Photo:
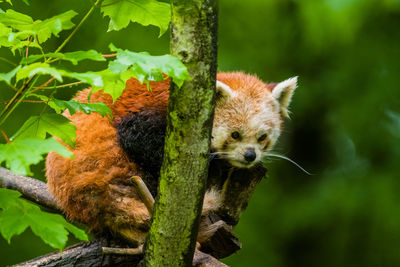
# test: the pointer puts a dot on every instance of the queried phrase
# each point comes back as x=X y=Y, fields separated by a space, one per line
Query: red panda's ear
x=271 y=86
x=283 y=92
x=224 y=91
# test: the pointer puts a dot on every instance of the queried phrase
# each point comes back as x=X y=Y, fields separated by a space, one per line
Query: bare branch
x=201 y=259
x=30 y=188
x=93 y=254
x=123 y=251
x=97 y=252
x=144 y=193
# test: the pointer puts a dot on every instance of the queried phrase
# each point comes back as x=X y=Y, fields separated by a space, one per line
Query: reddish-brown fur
x=94 y=186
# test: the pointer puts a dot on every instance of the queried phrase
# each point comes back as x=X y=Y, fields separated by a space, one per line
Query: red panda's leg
x=127 y=216
x=212 y=201
x=94 y=187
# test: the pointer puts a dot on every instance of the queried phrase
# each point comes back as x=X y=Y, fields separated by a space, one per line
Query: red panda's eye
x=235 y=135
x=262 y=137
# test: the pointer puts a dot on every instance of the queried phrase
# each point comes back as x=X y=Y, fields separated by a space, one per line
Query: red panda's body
x=94 y=187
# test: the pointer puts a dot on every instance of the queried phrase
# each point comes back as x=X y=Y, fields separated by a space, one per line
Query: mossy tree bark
x=172 y=237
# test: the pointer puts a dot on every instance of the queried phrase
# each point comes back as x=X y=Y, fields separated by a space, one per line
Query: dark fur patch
x=141 y=135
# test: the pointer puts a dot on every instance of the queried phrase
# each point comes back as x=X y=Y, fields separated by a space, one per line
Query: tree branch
x=237 y=190
x=85 y=253
x=30 y=188
x=144 y=193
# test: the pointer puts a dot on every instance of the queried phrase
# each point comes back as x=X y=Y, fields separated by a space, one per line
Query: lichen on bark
x=172 y=237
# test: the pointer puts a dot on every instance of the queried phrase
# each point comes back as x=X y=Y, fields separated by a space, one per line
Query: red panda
x=94 y=187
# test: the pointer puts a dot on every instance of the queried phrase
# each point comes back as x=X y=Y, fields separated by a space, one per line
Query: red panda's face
x=248 y=119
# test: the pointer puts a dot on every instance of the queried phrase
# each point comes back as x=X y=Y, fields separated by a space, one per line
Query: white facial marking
x=252 y=112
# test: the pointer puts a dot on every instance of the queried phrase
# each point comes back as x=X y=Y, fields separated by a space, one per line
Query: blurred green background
x=345 y=126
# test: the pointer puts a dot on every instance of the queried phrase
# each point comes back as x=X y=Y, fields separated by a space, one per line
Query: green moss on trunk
x=172 y=237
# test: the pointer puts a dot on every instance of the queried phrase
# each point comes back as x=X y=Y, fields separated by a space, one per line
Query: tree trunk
x=172 y=237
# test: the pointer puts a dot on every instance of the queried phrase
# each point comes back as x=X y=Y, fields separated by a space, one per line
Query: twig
x=144 y=193
x=98 y=2
x=27 y=47
x=110 y=55
x=26 y=101
x=34 y=101
x=44 y=84
x=123 y=251
x=5 y=136
x=54 y=87
x=8 y=61
x=14 y=102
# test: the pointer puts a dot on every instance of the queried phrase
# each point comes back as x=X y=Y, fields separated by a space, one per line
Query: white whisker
x=213 y=155
x=268 y=154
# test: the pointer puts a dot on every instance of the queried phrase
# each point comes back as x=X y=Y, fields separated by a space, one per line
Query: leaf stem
x=26 y=101
x=5 y=136
x=8 y=61
x=109 y=55
x=44 y=84
x=15 y=97
x=6 y=112
x=98 y=2
x=55 y=87
x=27 y=47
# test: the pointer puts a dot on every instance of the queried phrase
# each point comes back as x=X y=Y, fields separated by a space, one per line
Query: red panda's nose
x=250 y=155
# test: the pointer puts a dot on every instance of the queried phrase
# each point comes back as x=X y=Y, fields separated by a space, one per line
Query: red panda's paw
x=212 y=201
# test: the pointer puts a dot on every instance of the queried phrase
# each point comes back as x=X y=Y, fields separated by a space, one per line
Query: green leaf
x=114 y=84
x=35 y=68
x=54 y=124
x=89 y=77
x=16 y=20
x=76 y=56
x=17 y=44
x=4 y=32
x=42 y=29
x=8 y=76
x=146 y=68
x=28 y=71
x=53 y=25
x=49 y=102
x=7 y=197
x=8 y=1
x=74 y=106
x=21 y=153
x=73 y=57
x=17 y=214
x=145 y=12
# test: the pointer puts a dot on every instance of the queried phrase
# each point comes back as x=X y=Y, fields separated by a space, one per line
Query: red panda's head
x=248 y=117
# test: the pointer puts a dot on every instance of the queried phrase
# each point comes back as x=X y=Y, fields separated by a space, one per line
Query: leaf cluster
x=17 y=214
x=39 y=75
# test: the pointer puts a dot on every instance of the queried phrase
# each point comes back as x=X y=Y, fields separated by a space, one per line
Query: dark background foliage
x=345 y=125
